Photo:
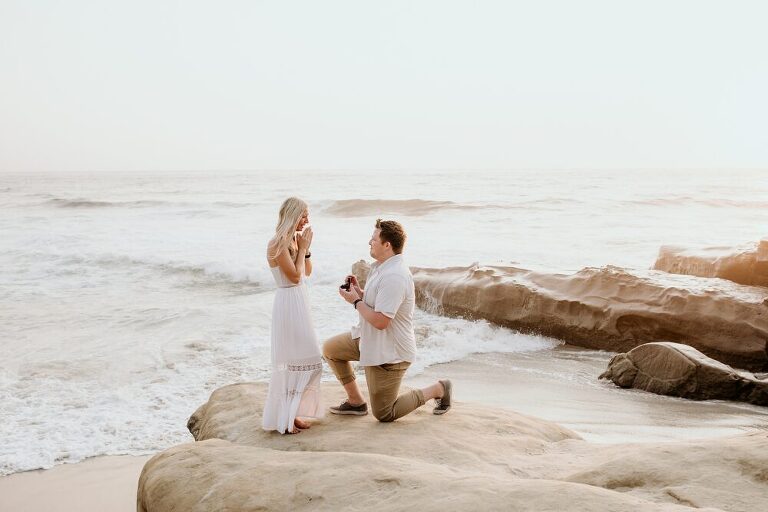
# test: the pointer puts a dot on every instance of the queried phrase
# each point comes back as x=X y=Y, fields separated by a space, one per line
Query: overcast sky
x=236 y=85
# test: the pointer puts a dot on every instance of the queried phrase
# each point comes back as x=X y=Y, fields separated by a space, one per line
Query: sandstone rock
x=469 y=439
x=607 y=308
x=727 y=474
x=474 y=458
x=216 y=475
x=679 y=370
x=745 y=265
x=360 y=269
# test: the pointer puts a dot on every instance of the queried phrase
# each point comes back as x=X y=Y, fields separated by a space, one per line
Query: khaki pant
x=383 y=380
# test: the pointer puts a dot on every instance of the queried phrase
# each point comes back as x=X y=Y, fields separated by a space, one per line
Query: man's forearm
x=378 y=320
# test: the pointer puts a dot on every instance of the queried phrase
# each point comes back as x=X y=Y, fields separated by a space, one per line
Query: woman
x=294 y=388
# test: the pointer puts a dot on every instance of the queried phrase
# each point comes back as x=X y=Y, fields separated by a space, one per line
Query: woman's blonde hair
x=290 y=212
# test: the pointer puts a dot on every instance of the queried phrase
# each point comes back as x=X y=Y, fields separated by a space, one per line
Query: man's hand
x=353 y=281
x=378 y=320
x=349 y=296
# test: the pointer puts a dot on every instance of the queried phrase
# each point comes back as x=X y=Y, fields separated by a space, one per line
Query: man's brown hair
x=392 y=231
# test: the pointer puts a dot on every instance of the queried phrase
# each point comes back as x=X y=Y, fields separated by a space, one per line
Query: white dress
x=297 y=365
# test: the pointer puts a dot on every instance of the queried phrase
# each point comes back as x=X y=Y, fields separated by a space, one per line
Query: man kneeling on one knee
x=383 y=341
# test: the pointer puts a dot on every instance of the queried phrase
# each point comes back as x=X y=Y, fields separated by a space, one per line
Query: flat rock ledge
x=745 y=265
x=473 y=458
x=606 y=308
x=679 y=370
x=476 y=438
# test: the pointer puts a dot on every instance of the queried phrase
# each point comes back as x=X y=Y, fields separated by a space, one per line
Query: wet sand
x=99 y=484
x=562 y=385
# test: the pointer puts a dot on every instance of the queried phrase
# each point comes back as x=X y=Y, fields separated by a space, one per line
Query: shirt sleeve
x=390 y=295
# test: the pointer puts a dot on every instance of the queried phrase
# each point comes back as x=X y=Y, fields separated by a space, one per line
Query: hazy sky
x=161 y=85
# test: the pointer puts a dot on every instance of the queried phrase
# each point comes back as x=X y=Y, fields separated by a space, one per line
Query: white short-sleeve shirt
x=388 y=290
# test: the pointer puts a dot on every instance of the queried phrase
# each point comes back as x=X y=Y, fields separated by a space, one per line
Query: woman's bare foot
x=294 y=431
x=301 y=424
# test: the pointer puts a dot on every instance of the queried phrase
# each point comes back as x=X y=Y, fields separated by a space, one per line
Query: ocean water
x=125 y=299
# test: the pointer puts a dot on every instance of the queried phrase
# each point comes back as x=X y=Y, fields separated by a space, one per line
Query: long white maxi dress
x=294 y=387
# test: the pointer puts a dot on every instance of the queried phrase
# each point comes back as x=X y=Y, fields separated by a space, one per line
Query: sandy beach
x=559 y=386
x=96 y=484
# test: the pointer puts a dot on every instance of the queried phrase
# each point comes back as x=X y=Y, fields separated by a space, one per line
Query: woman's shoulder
x=272 y=249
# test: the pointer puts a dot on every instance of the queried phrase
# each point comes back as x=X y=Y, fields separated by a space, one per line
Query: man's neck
x=385 y=258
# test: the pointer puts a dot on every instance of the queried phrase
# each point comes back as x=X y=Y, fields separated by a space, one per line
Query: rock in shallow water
x=680 y=370
x=745 y=265
x=607 y=308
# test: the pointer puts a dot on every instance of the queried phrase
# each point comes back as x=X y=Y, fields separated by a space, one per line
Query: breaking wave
x=713 y=202
x=92 y=204
x=411 y=207
x=205 y=273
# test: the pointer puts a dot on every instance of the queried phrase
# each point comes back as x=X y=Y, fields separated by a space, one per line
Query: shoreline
x=100 y=483
x=559 y=385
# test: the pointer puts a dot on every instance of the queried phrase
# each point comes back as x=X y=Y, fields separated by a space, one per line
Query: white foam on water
x=442 y=340
x=77 y=413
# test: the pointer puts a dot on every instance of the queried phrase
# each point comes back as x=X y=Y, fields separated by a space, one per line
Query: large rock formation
x=679 y=370
x=217 y=475
x=606 y=308
x=722 y=473
x=474 y=458
x=746 y=265
x=233 y=413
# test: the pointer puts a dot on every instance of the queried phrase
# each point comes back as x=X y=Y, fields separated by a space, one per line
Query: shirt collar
x=394 y=260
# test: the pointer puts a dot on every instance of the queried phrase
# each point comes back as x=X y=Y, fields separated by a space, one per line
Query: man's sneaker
x=442 y=405
x=346 y=408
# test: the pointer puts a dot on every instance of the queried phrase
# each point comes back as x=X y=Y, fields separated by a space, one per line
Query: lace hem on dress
x=298 y=367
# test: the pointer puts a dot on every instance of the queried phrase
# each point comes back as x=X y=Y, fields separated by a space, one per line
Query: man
x=383 y=341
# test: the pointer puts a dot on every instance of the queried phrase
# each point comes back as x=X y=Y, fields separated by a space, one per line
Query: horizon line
x=383 y=169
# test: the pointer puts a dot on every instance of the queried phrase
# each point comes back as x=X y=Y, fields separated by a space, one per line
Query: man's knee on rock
x=384 y=416
x=327 y=350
